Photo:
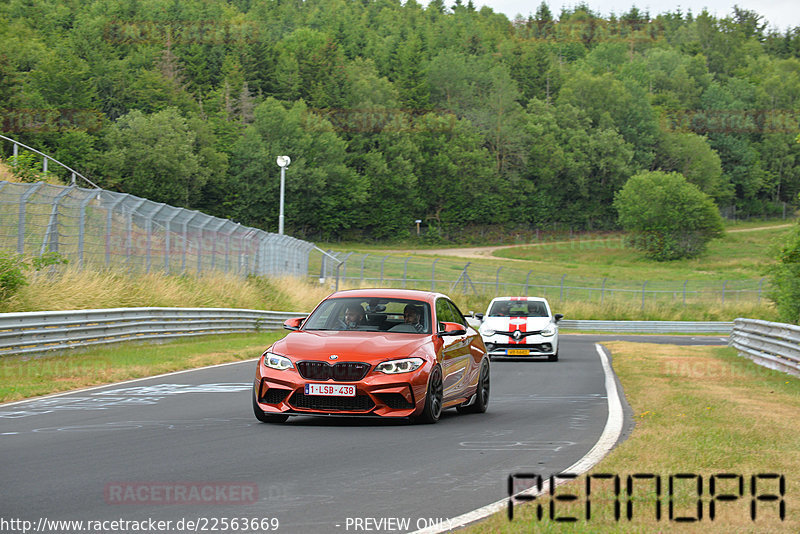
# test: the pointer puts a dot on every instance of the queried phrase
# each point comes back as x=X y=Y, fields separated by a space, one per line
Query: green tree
x=785 y=278
x=666 y=216
x=155 y=157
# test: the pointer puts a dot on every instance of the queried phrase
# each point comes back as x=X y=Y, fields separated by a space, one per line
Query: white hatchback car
x=520 y=327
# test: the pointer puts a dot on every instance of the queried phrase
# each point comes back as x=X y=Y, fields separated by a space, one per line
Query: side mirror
x=293 y=323
x=479 y=316
x=451 y=329
x=558 y=316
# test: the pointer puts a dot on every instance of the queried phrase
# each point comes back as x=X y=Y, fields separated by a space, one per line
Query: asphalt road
x=186 y=446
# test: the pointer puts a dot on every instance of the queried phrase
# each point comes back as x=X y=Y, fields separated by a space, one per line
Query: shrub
x=785 y=279
x=666 y=216
x=12 y=276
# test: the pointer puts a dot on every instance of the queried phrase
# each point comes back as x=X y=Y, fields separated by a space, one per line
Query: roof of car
x=411 y=294
x=529 y=299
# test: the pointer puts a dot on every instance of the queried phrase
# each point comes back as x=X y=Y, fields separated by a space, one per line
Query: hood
x=350 y=346
x=509 y=324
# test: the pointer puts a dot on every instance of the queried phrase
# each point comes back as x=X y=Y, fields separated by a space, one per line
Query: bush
x=785 y=279
x=12 y=277
x=666 y=216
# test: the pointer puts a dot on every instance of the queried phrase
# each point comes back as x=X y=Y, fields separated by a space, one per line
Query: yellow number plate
x=517 y=352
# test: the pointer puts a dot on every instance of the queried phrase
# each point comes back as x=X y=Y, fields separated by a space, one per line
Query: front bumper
x=498 y=346
x=377 y=394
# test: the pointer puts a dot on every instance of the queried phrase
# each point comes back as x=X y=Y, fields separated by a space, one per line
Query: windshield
x=371 y=315
x=518 y=308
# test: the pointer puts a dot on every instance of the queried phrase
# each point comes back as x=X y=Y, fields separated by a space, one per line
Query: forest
x=394 y=112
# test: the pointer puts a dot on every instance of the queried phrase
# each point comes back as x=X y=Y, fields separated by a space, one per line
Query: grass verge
x=698 y=410
x=30 y=376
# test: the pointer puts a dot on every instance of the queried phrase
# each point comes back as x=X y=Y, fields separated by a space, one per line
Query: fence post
x=562 y=286
x=724 y=283
x=21 y=222
x=527 y=278
x=603 y=291
x=344 y=265
x=405 y=270
x=684 y=291
x=497 y=281
x=759 y=290
x=466 y=276
x=433 y=275
x=643 y=286
x=363 y=261
x=382 y=261
x=82 y=227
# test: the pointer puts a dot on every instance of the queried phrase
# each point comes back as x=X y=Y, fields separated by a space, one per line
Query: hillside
x=393 y=112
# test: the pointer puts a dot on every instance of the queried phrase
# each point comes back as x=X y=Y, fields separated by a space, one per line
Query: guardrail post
x=405 y=270
x=433 y=275
x=528 y=277
x=497 y=281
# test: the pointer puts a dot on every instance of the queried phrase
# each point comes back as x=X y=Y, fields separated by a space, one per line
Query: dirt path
x=488 y=252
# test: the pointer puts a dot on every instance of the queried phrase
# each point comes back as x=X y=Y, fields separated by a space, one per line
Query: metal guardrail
x=652 y=327
x=31 y=332
x=773 y=345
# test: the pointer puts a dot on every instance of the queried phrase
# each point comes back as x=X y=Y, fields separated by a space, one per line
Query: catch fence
x=106 y=229
x=450 y=275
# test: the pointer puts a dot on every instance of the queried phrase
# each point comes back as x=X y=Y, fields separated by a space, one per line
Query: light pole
x=283 y=162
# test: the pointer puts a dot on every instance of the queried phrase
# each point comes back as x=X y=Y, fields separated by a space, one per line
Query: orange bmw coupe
x=374 y=353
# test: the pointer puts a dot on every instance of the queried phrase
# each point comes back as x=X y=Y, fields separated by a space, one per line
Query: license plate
x=517 y=352
x=331 y=390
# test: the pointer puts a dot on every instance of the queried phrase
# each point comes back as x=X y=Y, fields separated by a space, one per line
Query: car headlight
x=549 y=331
x=276 y=361
x=488 y=332
x=406 y=365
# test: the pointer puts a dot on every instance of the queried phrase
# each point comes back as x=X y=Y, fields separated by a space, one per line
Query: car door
x=455 y=351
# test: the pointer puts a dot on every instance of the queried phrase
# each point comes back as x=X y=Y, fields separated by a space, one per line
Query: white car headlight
x=406 y=365
x=276 y=361
x=550 y=330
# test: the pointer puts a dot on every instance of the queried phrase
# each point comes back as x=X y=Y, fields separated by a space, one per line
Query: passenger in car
x=412 y=315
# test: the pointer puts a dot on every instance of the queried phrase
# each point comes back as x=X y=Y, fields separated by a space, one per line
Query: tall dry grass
x=70 y=288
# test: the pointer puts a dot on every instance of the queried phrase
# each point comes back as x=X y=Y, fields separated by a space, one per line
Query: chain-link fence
x=99 y=228
x=450 y=275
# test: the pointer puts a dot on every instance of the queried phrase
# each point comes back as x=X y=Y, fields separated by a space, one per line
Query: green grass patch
x=698 y=410
x=31 y=376
x=738 y=255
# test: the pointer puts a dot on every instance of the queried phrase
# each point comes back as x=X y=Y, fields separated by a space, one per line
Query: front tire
x=553 y=357
x=265 y=417
x=433 y=398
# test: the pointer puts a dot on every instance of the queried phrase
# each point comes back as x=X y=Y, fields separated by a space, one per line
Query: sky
x=781 y=14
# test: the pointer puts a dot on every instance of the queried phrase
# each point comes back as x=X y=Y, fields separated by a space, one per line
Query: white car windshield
x=518 y=308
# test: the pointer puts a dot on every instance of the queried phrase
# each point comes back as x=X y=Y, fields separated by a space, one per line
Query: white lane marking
x=133 y=380
x=608 y=438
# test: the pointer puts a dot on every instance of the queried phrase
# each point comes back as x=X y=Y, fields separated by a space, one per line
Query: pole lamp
x=283 y=162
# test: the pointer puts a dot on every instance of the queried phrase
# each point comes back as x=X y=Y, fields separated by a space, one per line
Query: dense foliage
x=392 y=111
x=666 y=216
x=785 y=278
